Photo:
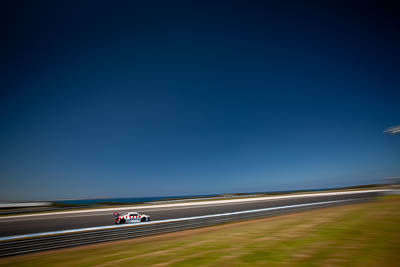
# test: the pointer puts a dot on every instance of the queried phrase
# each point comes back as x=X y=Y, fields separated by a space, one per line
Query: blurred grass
x=365 y=234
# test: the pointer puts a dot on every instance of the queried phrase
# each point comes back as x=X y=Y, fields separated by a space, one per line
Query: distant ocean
x=128 y=200
x=132 y=200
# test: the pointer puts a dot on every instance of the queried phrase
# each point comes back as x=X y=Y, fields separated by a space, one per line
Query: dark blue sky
x=126 y=99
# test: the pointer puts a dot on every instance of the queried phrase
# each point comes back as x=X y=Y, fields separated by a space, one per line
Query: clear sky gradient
x=150 y=98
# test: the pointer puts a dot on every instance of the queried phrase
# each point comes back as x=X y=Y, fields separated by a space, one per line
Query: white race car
x=130 y=217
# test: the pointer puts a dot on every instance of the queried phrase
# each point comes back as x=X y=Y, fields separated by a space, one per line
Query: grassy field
x=356 y=235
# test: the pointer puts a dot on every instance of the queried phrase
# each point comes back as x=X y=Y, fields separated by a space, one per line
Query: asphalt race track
x=44 y=223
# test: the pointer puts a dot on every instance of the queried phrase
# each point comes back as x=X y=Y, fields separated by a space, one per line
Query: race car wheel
x=122 y=221
x=143 y=219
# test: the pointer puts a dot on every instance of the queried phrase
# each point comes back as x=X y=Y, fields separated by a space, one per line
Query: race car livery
x=130 y=217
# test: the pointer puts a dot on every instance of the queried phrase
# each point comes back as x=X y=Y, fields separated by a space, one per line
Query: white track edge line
x=8 y=238
x=196 y=203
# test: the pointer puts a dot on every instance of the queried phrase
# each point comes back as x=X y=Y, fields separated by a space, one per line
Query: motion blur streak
x=393 y=130
x=200 y=203
x=59 y=222
x=15 y=245
x=170 y=220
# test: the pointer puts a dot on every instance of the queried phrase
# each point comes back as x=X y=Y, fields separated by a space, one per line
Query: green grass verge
x=355 y=235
